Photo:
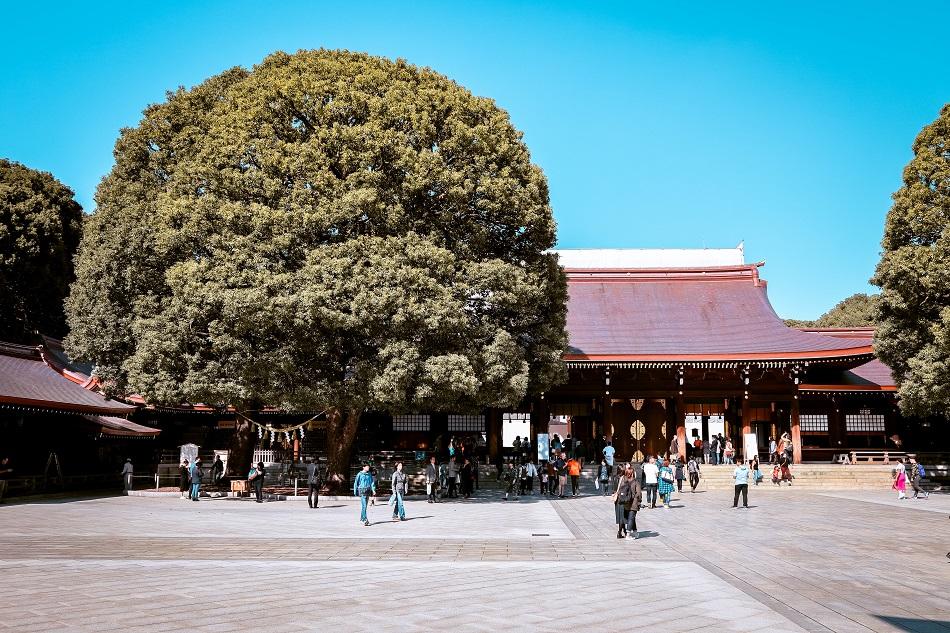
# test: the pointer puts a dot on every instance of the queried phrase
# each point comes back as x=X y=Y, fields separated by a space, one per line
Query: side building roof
x=26 y=379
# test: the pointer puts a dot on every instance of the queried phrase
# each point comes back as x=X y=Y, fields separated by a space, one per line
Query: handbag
x=597 y=484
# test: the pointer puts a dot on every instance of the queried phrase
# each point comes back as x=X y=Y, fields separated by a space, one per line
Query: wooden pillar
x=681 y=426
x=796 y=434
x=493 y=431
x=746 y=419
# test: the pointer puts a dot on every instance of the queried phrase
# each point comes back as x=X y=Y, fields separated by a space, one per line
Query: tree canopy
x=40 y=225
x=913 y=336
x=858 y=310
x=327 y=230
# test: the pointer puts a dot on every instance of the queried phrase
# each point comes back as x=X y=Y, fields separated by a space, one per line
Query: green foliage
x=858 y=310
x=913 y=335
x=329 y=229
x=40 y=225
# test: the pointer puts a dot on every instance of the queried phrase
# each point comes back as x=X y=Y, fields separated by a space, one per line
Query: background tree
x=858 y=310
x=328 y=230
x=40 y=225
x=913 y=336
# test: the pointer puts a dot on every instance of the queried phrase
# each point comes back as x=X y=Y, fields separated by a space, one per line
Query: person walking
x=900 y=480
x=432 y=480
x=400 y=487
x=452 y=473
x=314 y=481
x=680 y=470
x=666 y=486
x=603 y=476
x=609 y=452
x=256 y=478
x=916 y=473
x=217 y=471
x=651 y=474
x=364 y=487
x=692 y=467
x=574 y=470
x=741 y=475
x=522 y=476
x=127 y=474
x=509 y=479
x=196 y=479
x=627 y=499
x=184 y=480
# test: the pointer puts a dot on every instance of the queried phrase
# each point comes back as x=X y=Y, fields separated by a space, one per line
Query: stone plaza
x=795 y=560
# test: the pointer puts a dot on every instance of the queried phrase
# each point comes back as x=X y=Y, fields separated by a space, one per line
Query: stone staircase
x=807 y=476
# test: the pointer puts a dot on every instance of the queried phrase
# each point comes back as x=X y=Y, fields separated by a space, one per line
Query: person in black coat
x=184 y=479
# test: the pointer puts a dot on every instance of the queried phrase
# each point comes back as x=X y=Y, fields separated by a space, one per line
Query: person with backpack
x=400 y=487
x=256 y=479
x=680 y=471
x=603 y=476
x=692 y=467
x=917 y=473
x=364 y=486
x=313 y=483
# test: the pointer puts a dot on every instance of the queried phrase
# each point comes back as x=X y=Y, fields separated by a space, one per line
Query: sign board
x=227 y=424
x=750 y=446
x=544 y=447
x=189 y=452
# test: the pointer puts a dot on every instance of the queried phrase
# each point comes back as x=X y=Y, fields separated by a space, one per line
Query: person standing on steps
x=741 y=475
x=400 y=487
x=714 y=450
x=603 y=476
x=364 y=486
x=314 y=481
x=692 y=467
x=432 y=480
x=217 y=471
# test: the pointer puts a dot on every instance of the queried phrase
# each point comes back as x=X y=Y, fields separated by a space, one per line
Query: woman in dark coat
x=184 y=479
x=627 y=498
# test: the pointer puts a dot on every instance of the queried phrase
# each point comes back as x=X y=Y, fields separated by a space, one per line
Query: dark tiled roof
x=25 y=379
x=120 y=427
x=685 y=314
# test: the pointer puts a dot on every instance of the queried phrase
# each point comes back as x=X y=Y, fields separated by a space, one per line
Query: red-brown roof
x=26 y=380
x=871 y=376
x=708 y=314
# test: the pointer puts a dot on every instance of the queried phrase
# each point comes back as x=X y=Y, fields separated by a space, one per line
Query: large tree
x=913 y=335
x=327 y=230
x=858 y=310
x=40 y=225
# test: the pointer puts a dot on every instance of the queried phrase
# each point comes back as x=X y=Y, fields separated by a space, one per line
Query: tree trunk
x=341 y=432
x=241 y=449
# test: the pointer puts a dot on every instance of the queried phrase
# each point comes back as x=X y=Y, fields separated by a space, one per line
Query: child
x=776 y=475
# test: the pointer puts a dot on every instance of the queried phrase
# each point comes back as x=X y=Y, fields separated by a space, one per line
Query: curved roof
x=687 y=314
x=27 y=380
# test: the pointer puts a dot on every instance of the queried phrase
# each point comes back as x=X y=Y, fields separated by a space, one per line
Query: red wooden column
x=681 y=426
x=796 y=434
x=746 y=422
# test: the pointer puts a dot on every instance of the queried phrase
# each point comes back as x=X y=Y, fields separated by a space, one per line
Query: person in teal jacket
x=364 y=487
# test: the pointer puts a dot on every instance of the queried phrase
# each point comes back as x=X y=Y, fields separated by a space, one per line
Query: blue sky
x=670 y=124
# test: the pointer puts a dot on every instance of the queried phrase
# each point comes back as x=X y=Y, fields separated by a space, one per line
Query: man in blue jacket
x=364 y=487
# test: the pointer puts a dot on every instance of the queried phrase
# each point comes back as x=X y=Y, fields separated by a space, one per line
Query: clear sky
x=658 y=124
